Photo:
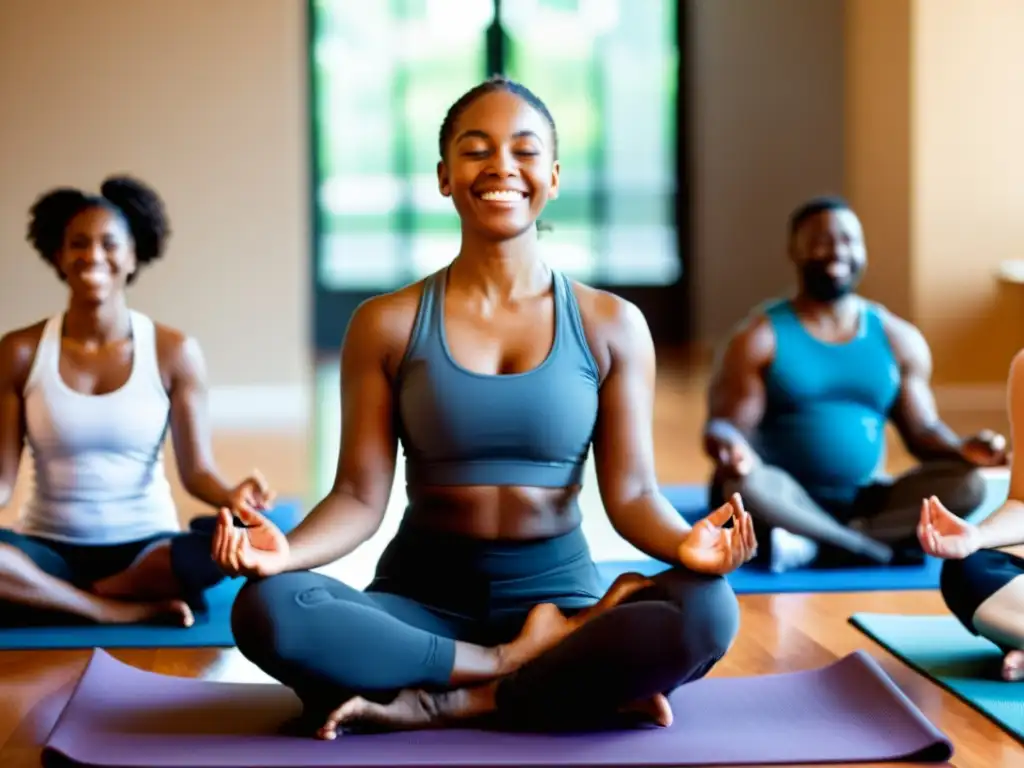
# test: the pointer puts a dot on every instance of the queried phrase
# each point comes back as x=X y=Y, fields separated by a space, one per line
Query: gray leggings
x=880 y=524
x=328 y=641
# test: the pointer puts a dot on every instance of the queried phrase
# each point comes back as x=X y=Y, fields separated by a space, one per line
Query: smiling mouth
x=93 y=276
x=838 y=269
x=502 y=196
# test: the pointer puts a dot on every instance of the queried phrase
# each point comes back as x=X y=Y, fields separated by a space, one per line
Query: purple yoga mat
x=847 y=712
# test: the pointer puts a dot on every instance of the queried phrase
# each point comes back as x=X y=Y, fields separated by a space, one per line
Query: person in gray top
x=496 y=374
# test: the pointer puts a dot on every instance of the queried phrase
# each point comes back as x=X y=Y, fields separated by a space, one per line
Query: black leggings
x=328 y=641
x=966 y=584
x=82 y=565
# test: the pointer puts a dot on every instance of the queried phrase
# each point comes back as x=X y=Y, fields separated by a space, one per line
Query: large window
x=607 y=70
x=386 y=71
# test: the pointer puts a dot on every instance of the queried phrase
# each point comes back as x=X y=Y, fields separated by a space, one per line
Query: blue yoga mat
x=212 y=627
x=967 y=666
x=754 y=579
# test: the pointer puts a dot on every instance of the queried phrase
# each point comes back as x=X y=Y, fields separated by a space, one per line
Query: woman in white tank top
x=92 y=391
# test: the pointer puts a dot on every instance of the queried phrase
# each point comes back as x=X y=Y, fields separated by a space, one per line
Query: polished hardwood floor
x=780 y=633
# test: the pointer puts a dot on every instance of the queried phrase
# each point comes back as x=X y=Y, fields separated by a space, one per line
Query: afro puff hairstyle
x=139 y=205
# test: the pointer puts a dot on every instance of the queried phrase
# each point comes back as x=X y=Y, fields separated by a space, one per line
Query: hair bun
x=144 y=210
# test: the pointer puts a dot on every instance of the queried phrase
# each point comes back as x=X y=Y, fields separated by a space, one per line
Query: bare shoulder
x=611 y=324
x=178 y=355
x=751 y=342
x=1017 y=372
x=892 y=322
x=607 y=313
x=175 y=346
x=171 y=342
x=388 y=315
x=18 y=352
x=382 y=325
x=906 y=339
x=1015 y=390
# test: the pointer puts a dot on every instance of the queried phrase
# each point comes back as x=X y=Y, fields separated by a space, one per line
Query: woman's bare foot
x=156 y=612
x=117 y=587
x=1013 y=666
x=545 y=627
x=410 y=710
x=656 y=710
x=621 y=588
x=151 y=577
x=420 y=710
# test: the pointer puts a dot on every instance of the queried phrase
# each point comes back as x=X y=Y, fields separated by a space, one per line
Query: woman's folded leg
x=670 y=631
x=985 y=591
x=327 y=640
x=665 y=634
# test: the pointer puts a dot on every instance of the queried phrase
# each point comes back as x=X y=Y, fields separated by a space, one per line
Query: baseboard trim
x=261 y=408
x=961 y=398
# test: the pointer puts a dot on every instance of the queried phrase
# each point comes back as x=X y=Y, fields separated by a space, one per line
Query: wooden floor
x=779 y=633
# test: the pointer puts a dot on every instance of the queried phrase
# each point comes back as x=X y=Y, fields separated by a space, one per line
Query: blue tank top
x=828 y=404
x=458 y=427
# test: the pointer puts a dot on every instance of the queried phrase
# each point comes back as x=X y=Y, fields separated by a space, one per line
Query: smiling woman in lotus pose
x=91 y=391
x=496 y=373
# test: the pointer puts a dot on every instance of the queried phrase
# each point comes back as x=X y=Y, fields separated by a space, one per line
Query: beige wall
x=905 y=105
x=204 y=99
x=935 y=162
x=768 y=130
x=968 y=162
x=877 y=151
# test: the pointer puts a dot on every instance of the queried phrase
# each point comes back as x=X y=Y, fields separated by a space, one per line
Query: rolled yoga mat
x=756 y=579
x=212 y=627
x=967 y=666
x=849 y=711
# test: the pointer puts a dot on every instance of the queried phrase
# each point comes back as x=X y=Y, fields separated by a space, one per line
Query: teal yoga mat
x=941 y=649
x=212 y=628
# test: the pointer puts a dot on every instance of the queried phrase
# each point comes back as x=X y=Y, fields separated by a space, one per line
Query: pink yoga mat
x=849 y=711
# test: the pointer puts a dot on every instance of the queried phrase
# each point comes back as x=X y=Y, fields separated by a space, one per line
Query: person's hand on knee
x=735 y=460
x=730 y=451
x=986 y=449
x=712 y=548
x=943 y=534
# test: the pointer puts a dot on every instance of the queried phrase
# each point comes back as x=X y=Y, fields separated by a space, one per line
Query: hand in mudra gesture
x=710 y=548
x=255 y=549
x=253 y=493
x=943 y=534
